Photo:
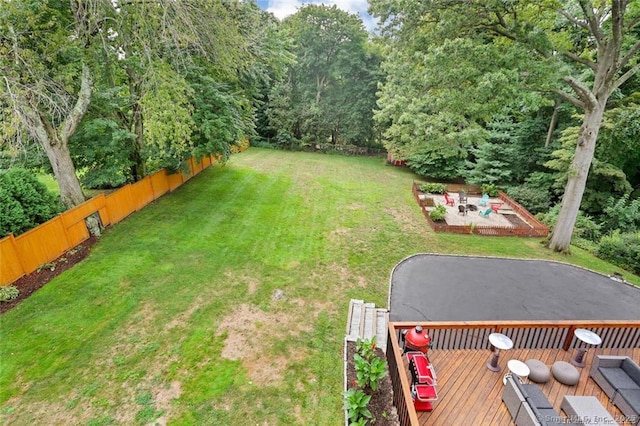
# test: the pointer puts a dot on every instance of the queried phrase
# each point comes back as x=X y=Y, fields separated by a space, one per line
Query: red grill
x=417 y=339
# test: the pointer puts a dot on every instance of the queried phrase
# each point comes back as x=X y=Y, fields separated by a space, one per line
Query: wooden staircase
x=365 y=321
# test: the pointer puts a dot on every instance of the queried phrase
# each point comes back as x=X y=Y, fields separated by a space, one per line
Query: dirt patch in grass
x=163 y=397
x=245 y=328
x=405 y=219
x=31 y=283
x=381 y=403
x=251 y=282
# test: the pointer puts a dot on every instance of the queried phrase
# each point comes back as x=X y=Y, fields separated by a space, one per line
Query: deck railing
x=474 y=335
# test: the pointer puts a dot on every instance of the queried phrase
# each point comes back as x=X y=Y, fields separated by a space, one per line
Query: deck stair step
x=365 y=321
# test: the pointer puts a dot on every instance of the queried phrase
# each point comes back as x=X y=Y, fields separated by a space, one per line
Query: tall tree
x=593 y=46
x=46 y=77
x=331 y=87
x=611 y=56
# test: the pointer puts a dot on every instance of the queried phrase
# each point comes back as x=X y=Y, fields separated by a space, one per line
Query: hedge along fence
x=25 y=253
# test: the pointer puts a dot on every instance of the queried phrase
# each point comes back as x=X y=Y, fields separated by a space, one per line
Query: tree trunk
x=554 y=122
x=577 y=180
x=54 y=141
x=64 y=171
x=139 y=169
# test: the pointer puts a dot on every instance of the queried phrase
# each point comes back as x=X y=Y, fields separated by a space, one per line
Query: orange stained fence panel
x=120 y=204
x=73 y=220
x=42 y=244
x=188 y=174
x=10 y=265
x=159 y=183
x=101 y=201
x=197 y=166
x=142 y=193
x=175 y=180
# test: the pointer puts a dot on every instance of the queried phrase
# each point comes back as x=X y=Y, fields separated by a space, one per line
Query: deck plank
x=469 y=393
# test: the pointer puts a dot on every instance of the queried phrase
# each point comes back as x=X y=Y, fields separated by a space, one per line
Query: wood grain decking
x=470 y=394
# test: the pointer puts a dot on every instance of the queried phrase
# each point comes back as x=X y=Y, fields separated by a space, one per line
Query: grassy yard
x=225 y=301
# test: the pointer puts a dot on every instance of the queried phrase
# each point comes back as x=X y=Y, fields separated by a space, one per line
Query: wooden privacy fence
x=23 y=254
x=532 y=228
x=474 y=335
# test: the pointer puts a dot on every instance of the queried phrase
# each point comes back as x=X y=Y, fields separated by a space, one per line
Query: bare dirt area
x=29 y=284
x=381 y=403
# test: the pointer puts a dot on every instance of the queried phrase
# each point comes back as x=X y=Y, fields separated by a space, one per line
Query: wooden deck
x=470 y=394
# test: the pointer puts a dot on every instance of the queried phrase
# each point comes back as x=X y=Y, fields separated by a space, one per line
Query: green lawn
x=173 y=315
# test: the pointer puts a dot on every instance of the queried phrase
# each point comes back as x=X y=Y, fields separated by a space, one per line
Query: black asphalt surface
x=428 y=287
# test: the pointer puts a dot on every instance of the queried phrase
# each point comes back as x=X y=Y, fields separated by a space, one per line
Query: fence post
x=569 y=338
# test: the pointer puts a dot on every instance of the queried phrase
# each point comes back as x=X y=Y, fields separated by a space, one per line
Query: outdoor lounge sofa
x=527 y=404
x=619 y=378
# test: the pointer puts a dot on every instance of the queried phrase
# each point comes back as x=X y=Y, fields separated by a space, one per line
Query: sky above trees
x=284 y=8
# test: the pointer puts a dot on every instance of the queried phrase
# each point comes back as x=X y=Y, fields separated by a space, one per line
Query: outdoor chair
x=462 y=209
x=462 y=196
x=496 y=206
x=486 y=213
x=484 y=200
x=450 y=201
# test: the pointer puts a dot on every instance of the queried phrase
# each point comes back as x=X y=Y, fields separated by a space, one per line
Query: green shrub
x=621 y=249
x=24 y=202
x=622 y=214
x=8 y=293
x=438 y=164
x=535 y=200
x=433 y=188
x=490 y=189
x=439 y=213
x=585 y=227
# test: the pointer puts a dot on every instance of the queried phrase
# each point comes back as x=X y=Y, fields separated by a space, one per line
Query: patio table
x=586 y=410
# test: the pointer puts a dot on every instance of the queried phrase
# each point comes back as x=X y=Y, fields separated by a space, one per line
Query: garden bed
x=381 y=403
x=29 y=284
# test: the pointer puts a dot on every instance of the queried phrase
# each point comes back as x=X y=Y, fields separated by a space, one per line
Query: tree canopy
x=538 y=98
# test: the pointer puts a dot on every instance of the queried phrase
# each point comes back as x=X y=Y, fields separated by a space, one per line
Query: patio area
x=469 y=393
x=454 y=217
x=505 y=217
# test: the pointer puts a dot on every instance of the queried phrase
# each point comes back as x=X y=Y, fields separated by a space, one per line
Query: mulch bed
x=29 y=284
x=517 y=221
x=381 y=403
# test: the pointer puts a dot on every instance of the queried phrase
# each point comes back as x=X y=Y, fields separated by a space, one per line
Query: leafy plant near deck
x=369 y=373
x=370 y=368
x=355 y=402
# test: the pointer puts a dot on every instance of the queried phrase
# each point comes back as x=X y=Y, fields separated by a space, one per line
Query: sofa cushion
x=548 y=416
x=631 y=396
x=632 y=369
x=535 y=397
x=618 y=378
x=538 y=371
